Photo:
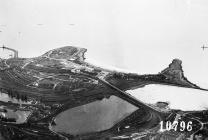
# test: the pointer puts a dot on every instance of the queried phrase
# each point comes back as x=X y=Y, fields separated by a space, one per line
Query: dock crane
x=13 y=50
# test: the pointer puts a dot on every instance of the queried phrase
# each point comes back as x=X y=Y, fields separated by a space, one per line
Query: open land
x=61 y=80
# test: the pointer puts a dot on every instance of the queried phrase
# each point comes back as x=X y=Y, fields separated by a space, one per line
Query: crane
x=13 y=50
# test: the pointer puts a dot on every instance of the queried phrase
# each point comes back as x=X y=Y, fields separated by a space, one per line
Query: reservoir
x=93 y=117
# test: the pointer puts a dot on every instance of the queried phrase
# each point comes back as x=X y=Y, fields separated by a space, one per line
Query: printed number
x=161 y=126
x=182 y=126
x=174 y=126
x=189 y=126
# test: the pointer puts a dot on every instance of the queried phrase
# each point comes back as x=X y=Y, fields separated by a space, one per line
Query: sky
x=140 y=36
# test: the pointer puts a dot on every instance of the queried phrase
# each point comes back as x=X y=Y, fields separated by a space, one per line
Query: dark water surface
x=93 y=117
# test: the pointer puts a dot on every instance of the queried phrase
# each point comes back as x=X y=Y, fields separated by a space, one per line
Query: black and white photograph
x=103 y=70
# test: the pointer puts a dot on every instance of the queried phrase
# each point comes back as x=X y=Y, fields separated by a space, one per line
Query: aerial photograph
x=103 y=70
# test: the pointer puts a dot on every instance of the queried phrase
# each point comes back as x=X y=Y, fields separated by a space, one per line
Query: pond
x=93 y=117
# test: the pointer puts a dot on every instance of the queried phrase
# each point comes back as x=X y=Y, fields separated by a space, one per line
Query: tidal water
x=18 y=115
x=185 y=99
x=6 y=98
x=93 y=117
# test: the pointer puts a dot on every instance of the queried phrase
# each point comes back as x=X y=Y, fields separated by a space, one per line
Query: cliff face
x=174 y=72
x=174 y=69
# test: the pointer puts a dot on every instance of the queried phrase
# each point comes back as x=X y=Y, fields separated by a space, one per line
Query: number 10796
x=176 y=126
